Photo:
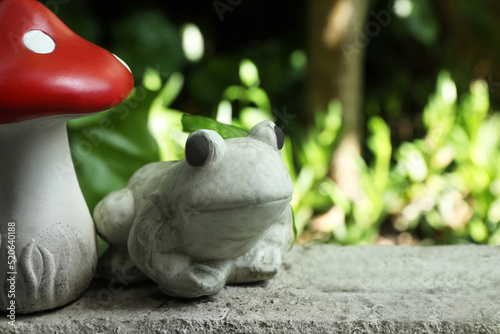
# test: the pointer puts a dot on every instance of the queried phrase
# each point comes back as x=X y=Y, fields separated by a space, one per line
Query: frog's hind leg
x=263 y=260
x=181 y=276
x=114 y=216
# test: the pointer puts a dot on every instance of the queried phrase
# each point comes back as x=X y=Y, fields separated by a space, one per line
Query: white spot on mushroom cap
x=124 y=63
x=39 y=42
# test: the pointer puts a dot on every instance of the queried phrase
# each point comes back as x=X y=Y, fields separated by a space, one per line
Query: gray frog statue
x=220 y=216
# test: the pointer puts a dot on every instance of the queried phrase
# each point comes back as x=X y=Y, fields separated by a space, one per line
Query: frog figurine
x=221 y=216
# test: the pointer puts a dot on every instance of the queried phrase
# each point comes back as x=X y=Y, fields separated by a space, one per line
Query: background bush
x=429 y=163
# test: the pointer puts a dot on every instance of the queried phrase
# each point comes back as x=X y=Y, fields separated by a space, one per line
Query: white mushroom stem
x=41 y=194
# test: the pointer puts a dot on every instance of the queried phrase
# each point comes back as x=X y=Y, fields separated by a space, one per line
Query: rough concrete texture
x=321 y=289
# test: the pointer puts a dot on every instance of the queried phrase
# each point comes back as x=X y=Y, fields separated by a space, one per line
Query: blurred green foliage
x=443 y=188
x=447 y=181
x=107 y=148
x=429 y=164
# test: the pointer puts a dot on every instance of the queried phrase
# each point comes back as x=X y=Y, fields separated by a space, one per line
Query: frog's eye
x=203 y=146
x=269 y=133
x=280 y=137
x=197 y=150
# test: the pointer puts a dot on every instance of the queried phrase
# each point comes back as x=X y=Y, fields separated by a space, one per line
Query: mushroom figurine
x=48 y=75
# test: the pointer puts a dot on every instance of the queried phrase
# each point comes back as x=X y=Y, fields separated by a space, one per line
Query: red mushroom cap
x=59 y=74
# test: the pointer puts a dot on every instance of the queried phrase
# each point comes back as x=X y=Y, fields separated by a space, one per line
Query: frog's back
x=150 y=172
x=147 y=178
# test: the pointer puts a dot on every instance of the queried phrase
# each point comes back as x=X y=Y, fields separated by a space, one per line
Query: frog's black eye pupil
x=280 y=137
x=197 y=150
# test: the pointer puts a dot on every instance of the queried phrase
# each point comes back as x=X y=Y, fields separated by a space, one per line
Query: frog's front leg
x=153 y=248
x=263 y=260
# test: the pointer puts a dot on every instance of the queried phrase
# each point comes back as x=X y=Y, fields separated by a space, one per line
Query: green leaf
x=440 y=112
x=170 y=91
x=109 y=147
x=193 y=123
x=380 y=144
x=260 y=98
x=250 y=116
x=165 y=123
x=474 y=107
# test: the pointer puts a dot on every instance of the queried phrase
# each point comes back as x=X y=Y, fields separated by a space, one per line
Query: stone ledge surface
x=321 y=289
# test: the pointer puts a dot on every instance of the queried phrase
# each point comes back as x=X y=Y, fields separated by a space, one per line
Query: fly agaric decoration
x=48 y=75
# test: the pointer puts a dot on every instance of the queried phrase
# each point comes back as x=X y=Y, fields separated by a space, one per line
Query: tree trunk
x=337 y=45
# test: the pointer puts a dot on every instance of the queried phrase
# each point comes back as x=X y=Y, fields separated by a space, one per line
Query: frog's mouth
x=216 y=207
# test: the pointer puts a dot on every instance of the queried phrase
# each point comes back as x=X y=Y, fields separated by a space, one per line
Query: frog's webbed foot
x=182 y=277
x=207 y=278
x=115 y=264
x=256 y=265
